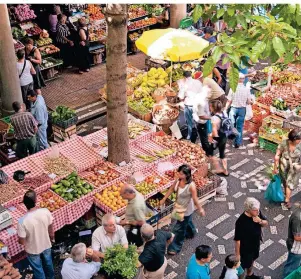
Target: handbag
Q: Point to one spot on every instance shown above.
(178, 212)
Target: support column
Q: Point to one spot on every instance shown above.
(9, 79)
(177, 13)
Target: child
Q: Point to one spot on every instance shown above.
(230, 268)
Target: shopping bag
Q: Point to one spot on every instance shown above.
(274, 191)
(295, 274)
(249, 112)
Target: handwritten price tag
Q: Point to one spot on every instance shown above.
(104, 152)
(69, 190)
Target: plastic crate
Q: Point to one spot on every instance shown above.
(66, 123)
(214, 183)
(267, 145)
(155, 218)
(169, 205)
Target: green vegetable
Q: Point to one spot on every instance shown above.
(121, 261)
(65, 183)
(62, 113)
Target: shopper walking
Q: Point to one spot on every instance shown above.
(53, 21)
(231, 268)
(36, 232)
(33, 54)
(188, 88)
(25, 128)
(25, 71)
(82, 47)
(198, 266)
(64, 41)
(238, 102)
(288, 163)
(218, 139)
(293, 243)
(153, 256)
(184, 207)
(77, 266)
(248, 235)
(134, 214)
(40, 113)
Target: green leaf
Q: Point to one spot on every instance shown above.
(234, 57)
(197, 13)
(220, 13)
(230, 11)
(208, 67)
(225, 60)
(242, 21)
(217, 53)
(291, 9)
(232, 22)
(207, 49)
(228, 49)
(258, 48)
(289, 57)
(233, 77)
(298, 20)
(259, 19)
(278, 46)
(274, 56)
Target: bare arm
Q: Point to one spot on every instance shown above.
(237, 248)
(51, 232)
(214, 129)
(97, 254)
(32, 70)
(195, 199)
(276, 160)
(171, 239)
(168, 193)
(218, 75)
(37, 57)
(21, 240)
(228, 105)
(82, 35)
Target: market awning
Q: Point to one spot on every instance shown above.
(171, 44)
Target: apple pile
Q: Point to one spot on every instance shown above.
(33, 31)
(150, 184)
(102, 174)
(171, 174)
(142, 23)
(51, 201)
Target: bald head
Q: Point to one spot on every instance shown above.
(128, 192)
(147, 232)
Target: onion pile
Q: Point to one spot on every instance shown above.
(36, 181)
(60, 166)
(10, 191)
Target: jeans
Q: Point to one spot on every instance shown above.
(293, 262)
(237, 116)
(42, 138)
(181, 230)
(203, 134)
(37, 262)
(189, 120)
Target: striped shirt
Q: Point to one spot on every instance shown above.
(24, 125)
(241, 96)
(62, 31)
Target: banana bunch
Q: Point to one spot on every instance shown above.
(274, 68)
(135, 129)
(146, 158)
(175, 72)
(136, 82)
(163, 153)
(142, 91)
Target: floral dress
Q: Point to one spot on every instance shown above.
(287, 170)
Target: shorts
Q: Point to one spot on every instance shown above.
(247, 258)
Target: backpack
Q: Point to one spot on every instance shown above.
(226, 126)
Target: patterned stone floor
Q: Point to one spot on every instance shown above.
(217, 228)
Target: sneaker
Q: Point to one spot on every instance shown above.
(253, 276)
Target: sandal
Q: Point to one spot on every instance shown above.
(172, 253)
(287, 204)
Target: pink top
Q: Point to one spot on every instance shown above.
(52, 22)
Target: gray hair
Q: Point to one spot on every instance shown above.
(251, 204)
(78, 252)
(107, 217)
(147, 232)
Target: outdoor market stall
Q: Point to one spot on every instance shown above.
(73, 175)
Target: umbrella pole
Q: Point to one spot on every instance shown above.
(171, 75)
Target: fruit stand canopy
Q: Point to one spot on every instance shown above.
(171, 44)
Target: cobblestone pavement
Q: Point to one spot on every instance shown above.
(217, 228)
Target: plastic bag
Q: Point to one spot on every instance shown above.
(222, 190)
(274, 191)
(3, 177)
(249, 112)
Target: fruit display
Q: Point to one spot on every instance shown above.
(200, 181)
(43, 42)
(33, 31)
(23, 12)
(147, 158)
(72, 187)
(141, 23)
(47, 50)
(172, 197)
(265, 100)
(191, 153)
(164, 114)
(286, 77)
(94, 12)
(18, 33)
(111, 197)
(96, 35)
(136, 129)
(102, 174)
(35, 181)
(60, 166)
(274, 69)
(7, 271)
(298, 110)
(139, 107)
(51, 201)
(279, 104)
(150, 184)
(258, 77)
(171, 174)
(134, 36)
(18, 45)
(103, 143)
(10, 191)
(135, 12)
(175, 71)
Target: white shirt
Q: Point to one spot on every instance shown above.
(231, 274)
(101, 240)
(26, 77)
(188, 89)
(201, 106)
(241, 96)
(73, 270)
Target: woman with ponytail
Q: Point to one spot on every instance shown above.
(230, 268)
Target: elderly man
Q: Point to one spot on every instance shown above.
(134, 214)
(153, 256)
(248, 234)
(293, 243)
(77, 267)
(108, 235)
(35, 232)
(39, 111)
(238, 102)
(25, 127)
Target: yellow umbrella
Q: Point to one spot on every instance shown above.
(175, 45)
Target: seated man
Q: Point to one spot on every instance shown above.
(77, 267)
(108, 235)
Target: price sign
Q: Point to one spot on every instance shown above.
(157, 180)
(122, 164)
(104, 152)
(70, 190)
(101, 172)
(52, 175)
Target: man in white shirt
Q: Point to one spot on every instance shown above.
(188, 88)
(238, 102)
(35, 232)
(77, 267)
(108, 235)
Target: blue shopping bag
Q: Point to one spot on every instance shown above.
(274, 191)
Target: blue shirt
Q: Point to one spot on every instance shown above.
(211, 40)
(39, 111)
(197, 271)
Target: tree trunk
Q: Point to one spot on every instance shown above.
(116, 63)
(10, 89)
(177, 13)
